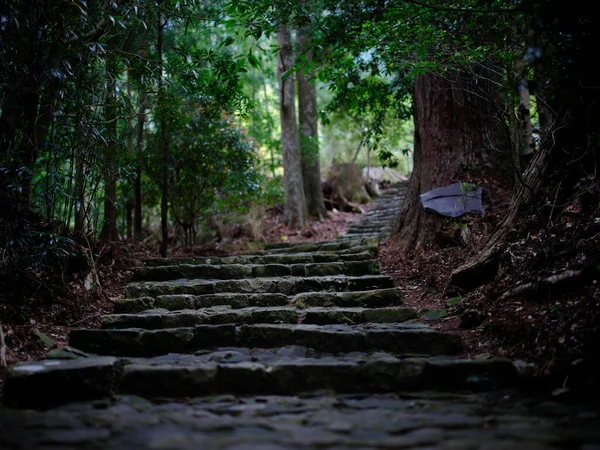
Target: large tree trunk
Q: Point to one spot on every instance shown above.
(569, 151)
(456, 132)
(309, 133)
(295, 214)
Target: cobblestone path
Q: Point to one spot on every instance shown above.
(299, 346)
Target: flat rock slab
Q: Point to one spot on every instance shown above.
(330, 246)
(240, 271)
(500, 420)
(358, 253)
(287, 286)
(209, 316)
(233, 371)
(187, 301)
(157, 319)
(324, 316)
(50, 382)
(366, 299)
(394, 338)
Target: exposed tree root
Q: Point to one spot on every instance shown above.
(543, 286)
(484, 265)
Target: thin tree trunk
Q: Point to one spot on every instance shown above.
(164, 203)
(309, 133)
(109, 227)
(295, 214)
(137, 221)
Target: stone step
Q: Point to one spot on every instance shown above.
(287, 286)
(236, 371)
(240, 271)
(410, 338)
(177, 302)
(367, 299)
(256, 315)
(326, 246)
(359, 253)
(364, 235)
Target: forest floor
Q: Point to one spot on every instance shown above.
(556, 329)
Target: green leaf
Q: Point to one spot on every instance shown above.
(227, 42)
(253, 61)
(433, 314)
(454, 301)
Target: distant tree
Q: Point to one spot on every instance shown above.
(308, 126)
(295, 213)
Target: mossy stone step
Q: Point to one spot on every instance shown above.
(365, 235)
(328, 246)
(254, 315)
(208, 316)
(287, 286)
(366, 299)
(328, 316)
(359, 253)
(395, 338)
(187, 376)
(240, 271)
(186, 301)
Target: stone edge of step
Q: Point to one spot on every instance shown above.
(92, 378)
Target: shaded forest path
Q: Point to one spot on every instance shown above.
(301, 345)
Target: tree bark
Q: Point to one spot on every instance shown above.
(295, 213)
(137, 201)
(309, 133)
(485, 265)
(109, 227)
(164, 203)
(456, 133)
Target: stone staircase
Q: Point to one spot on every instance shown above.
(293, 318)
(303, 345)
(378, 221)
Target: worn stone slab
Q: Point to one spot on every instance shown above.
(411, 420)
(51, 382)
(354, 253)
(393, 338)
(207, 316)
(397, 338)
(469, 374)
(335, 246)
(210, 374)
(287, 286)
(240, 271)
(324, 316)
(169, 380)
(140, 342)
(367, 298)
(187, 301)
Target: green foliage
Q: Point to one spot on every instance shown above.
(454, 301)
